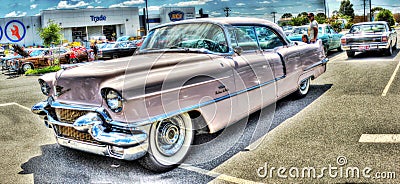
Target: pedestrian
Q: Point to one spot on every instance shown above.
(304, 38)
(313, 28)
(95, 49)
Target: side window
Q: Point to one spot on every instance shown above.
(245, 38)
(327, 30)
(332, 30)
(267, 38)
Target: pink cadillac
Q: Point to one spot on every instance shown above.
(188, 77)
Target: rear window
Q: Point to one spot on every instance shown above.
(368, 28)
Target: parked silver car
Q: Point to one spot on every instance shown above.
(370, 36)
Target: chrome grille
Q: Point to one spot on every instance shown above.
(72, 133)
(69, 115)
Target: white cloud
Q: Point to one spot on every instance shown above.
(15, 14)
(65, 5)
(216, 13)
(240, 4)
(90, 7)
(32, 1)
(154, 8)
(224, 0)
(127, 3)
(258, 9)
(192, 3)
(265, 2)
(33, 6)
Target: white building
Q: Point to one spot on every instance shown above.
(82, 24)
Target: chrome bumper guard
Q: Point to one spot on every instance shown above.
(118, 142)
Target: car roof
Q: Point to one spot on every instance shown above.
(375, 22)
(227, 21)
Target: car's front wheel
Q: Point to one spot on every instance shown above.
(389, 51)
(169, 143)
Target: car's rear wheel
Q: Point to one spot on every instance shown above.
(115, 56)
(350, 53)
(26, 67)
(303, 88)
(389, 51)
(326, 50)
(169, 143)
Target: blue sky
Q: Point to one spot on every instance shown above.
(252, 8)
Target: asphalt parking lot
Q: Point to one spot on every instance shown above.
(344, 104)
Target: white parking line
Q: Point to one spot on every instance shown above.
(217, 176)
(391, 80)
(13, 103)
(379, 138)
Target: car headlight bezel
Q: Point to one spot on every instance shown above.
(44, 87)
(113, 100)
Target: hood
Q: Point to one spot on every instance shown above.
(136, 74)
(20, 50)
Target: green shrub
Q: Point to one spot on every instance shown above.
(43, 70)
(348, 25)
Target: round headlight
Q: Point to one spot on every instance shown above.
(44, 87)
(114, 100)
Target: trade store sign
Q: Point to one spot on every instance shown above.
(98, 18)
(15, 31)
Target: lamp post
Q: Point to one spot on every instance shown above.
(273, 13)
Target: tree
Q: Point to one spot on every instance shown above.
(287, 15)
(396, 17)
(373, 10)
(321, 18)
(302, 14)
(50, 34)
(346, 8)
(299, 21)
(385, 15)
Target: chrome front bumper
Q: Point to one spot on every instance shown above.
(113, 141)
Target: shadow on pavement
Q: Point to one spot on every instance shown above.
(57, 164)
(372, 54)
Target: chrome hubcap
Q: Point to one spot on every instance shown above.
(170, 135)
(27, 67)
(303, 85)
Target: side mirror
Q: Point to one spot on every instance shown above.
(238, 50)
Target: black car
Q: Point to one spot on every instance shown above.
(117, 49)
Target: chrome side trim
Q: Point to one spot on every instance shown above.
(322, 62)
(190, 108)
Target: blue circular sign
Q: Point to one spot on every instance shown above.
(15, 30)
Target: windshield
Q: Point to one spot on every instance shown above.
(368, 28)
(303, 30)
(205, 36)
(36, 53)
